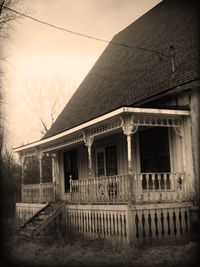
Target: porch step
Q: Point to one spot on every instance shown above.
(41, 220)
(25, 233)
(42, 217)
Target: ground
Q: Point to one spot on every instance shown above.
(58, 251)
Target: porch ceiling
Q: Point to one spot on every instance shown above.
(108, 122)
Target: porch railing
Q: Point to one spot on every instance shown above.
(100, 189)
(33, 193)
(160, 186)
(124, 188)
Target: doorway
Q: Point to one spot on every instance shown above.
(154, 150)
(70, 168)
(155, 157)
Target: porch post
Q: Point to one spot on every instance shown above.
(40, 172)
(130, 128)
(179, 131)
(54, 157)
(88, 140)
(22, 160)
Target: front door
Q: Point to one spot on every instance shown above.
(70, 167)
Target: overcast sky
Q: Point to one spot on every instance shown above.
(42, 59)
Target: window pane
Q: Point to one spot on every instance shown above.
(111, 160)
(100, 164)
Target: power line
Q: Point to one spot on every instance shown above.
(85, 35)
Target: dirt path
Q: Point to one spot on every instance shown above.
(48, 252)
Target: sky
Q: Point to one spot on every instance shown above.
(45, 66)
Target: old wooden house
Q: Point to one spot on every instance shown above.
(122, 159)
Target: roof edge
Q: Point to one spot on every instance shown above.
(102, 118)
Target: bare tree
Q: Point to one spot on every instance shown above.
(7, 19)
(45, 99)
(10, 171)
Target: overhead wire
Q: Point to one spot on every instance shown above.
(85, 35)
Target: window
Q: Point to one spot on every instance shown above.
(101, 162)
(106, 161)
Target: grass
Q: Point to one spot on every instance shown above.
(63, 250)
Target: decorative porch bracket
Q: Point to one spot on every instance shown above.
(88, 140)
(130, 128)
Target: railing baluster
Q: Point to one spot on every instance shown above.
(147, 181)
(159, 182)
(165, 181)
(153, 184)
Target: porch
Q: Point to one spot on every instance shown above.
(132, 155)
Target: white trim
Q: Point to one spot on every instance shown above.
(157, 111)
(102, 118)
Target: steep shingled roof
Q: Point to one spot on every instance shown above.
(125, 76)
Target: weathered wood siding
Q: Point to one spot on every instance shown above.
(190, 152)
(195, 134)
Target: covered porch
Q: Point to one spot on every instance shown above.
(143, 178)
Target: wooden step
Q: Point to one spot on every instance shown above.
(31, 227)
(25, 233)
(41, 220)
(41, 217)
(36, 222)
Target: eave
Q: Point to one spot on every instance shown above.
(99, 120)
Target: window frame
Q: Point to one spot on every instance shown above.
(103, 150)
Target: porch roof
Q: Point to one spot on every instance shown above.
(109, 117)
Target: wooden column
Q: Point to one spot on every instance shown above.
(40, 155)
(129, 152)
(54, 158)
(179, 131)
(129, 128)
(88, 140)
(22, 160)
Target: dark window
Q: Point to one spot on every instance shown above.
(154, 150)
(46, 169)
(100, 163)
